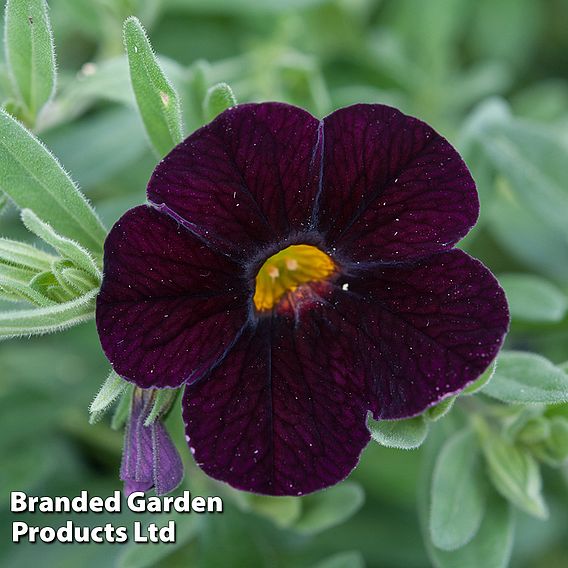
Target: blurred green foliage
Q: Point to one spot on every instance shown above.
(489, 74)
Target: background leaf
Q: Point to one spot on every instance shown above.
(514, 473)
(30, 53)
(492, 546)
(526, 378)
(156, 97)
(328, 508)
(532, 298)
(458, 493)
(34, 179)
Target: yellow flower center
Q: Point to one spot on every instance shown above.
(286, 271)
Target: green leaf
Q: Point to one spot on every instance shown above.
(541, 246)
(4, 201)
(401, 434)
(554, 450)
(24, 255)
(490, 548)
(536, 165)
(558, 440)
(458, 497)
(122, 411)
(219, 97)
(66, 247)
(533, 298)
(46, 284)
(282, 511)
(535, 430)
(21, 323)
(514, 473)
(72, 279)
(328, 508)
(110, 390)
(351, 559)
(157, 99)
(30, 53)
(527, 378)
(434, 413)
(16, 274)
(24, 292)
(33, 178)
(163, 403)
(480, 383)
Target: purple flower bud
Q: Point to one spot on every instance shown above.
(149, 457)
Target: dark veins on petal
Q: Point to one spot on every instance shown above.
(284, 414)
(393, 189)
(247, 179)
(423, 330)
(169, 306)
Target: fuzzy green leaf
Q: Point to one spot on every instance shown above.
(47, 285)
(24, 255)
(458, 497)
(34, 179)
(527, 378)
(156, 97)
(481, 382)
(21, 323)
(434, 413)
(23, 292)
(122, 411)
(401, 434)
(17, 274)
(163, 403)
(110, 390)
(30, 53)
(66, 247)
(73, 279)
(219, 97)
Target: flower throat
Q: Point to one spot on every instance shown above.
(285, 273)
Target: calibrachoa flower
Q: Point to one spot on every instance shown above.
(149, 457)
(295, 274)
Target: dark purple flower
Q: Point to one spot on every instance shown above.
(295, 274)
(149, 457)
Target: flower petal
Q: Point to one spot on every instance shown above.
(284, 414)
(393, 189)
(424, 331)
(169, 306)
(247, 178)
